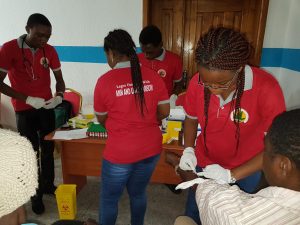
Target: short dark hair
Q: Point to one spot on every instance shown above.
(38, 19)
(284, 135)
(150, 35)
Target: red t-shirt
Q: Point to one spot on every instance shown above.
(28, 76)
(168, 66)
(131, 137)
(262, 100)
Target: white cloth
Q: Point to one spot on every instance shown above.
(228, 205)
(18, 171)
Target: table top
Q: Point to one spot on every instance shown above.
(91, 140)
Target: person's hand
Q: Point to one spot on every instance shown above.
(53, 102)
(218, 173)
(188, 160)
(35, 102)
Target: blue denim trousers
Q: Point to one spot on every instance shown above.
(248, 184)
(114, 179)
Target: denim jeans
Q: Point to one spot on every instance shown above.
(114, 179)
(248, 184)
(35, 124)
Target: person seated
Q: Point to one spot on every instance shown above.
(19, 176)
(220, 203)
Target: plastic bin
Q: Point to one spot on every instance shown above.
(66, 201)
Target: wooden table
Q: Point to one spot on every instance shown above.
(83, 157)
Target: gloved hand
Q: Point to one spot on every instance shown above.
(218, 173)
(187, 184)
(173, 99)
(53, 102)
(188, 160)
(35, 102)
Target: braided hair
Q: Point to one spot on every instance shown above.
(224, 49)
(284, 135)
(120, 42)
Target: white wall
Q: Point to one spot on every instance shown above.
(74, 23)
(283, 31)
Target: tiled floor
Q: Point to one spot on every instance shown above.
(163, 206)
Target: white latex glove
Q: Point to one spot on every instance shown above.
(218, 173)
(35, 102)
(187, 184)
(53, 102)
(188, 160)
(173, 99)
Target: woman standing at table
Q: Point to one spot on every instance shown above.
(129, 100)
(235, 104)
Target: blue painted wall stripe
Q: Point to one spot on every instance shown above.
(281, 57)
(271, 57)
(83, 54)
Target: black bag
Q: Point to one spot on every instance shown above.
(63, 113)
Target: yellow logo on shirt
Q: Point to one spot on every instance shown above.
(162, 72)
(241, 117)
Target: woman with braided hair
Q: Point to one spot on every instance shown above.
(129, 100)
(234, 104)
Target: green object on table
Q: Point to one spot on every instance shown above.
(96, 127)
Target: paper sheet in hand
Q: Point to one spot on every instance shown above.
(70, 134)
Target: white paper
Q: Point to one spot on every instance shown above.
(70, 134)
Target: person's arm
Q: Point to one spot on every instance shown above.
(272, 102)
(163, 111)
(60, 83)
(177, 89)
(60, 89)
(177, 78)
(7, 90)
(190, 132)
(248, 168)
(102, 119)
(15, 218)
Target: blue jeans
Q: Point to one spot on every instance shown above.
(115, 177)
(248, 184)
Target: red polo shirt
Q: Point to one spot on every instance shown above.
(25, 70)
(262, 100)
(168, 66)
(131, 137)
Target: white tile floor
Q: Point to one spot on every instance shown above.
(163, 206)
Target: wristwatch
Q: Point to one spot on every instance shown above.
(232, 180)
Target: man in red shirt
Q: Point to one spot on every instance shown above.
(167, 64)
(27, 60)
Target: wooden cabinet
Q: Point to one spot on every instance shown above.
(182, 22)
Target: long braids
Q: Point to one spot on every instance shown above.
(121, 42)
(224, 49)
